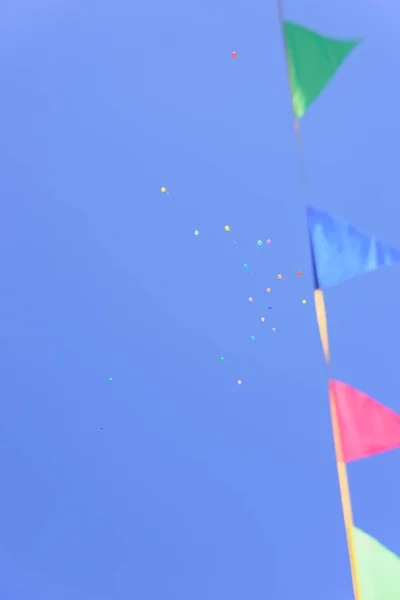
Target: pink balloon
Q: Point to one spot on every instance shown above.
(273, 329)
(268, 242)
(250, 299)
(262, 319)
(239, 382)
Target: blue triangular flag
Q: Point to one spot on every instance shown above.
(340, 252)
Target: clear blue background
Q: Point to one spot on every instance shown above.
(196, 488)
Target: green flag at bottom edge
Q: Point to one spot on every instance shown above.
(378, 568)
(312, 60)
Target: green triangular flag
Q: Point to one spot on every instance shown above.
(313, 60)
(378, 568)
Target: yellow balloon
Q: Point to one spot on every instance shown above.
(304, 301)
(163, 189)
(227, 228)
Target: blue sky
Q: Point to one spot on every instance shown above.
(195, 488)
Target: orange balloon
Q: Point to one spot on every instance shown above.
(234, 55)
(299, 273)
(279, 276)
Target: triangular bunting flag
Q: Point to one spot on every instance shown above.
(312, 60)
(378, 569)
(340, 252)
(366, 426)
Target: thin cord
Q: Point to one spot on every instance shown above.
(296, 124)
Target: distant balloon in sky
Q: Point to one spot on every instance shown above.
(222, 359)
(268, 290)
(234, 54)
(268, 242)
(245, 266)
(262, 319)
(227, 228)
(253, 337)
(299, 273)
(273, 329)
(259, 243)
(163, 189)
(101, 427)
(110, 379)
(304, 301)
(239, 382)
(250, 299)
(196, 232)
(279, 276)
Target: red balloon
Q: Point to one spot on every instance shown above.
(234, 55)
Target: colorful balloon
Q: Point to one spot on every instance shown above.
(250, 299)
(279, 276)
(253, 337)
(239, 382)
(268, 290)
(227, 228)
(299, 273)
(268, 242)
(245, 266)
(304, 301)
(234, 54)
(273, 329)
(259, 243)
(262, 319)
(196, 232)
(163, 189)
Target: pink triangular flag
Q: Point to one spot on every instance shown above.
(366, 426)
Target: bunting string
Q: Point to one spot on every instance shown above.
(361, 426)
(323, 330)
